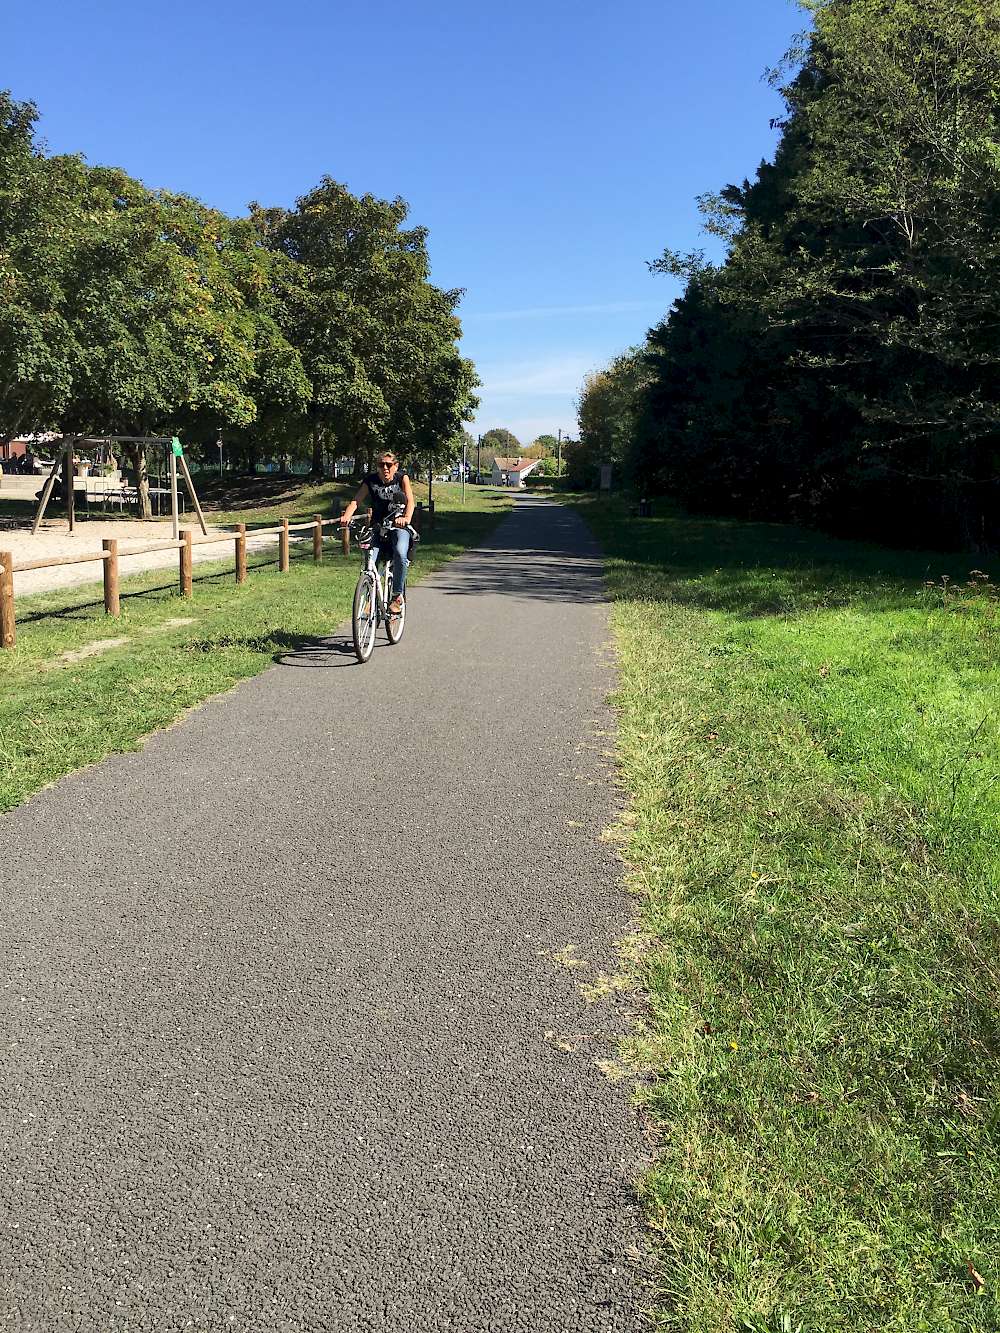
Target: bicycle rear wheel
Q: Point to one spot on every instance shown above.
(394, 624)
(364, 619)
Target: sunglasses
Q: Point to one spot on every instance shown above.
(388, 465)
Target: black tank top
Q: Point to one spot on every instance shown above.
(385, 494)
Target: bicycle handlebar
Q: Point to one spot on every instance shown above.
(384, 528)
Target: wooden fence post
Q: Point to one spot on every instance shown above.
(345, 532)
(318, 540)
(7, 633)
(283, 547)
(187, 536)
(241, 553)
(112, 601)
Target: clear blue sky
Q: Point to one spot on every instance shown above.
(551, 148)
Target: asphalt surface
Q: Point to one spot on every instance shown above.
(291, 1039)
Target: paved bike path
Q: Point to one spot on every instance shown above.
(292, 1039)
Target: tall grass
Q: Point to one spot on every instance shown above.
(810, 737)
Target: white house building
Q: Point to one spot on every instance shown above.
(512, 471)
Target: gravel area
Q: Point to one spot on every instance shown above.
(293, 1023)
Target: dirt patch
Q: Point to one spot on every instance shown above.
(89, 650)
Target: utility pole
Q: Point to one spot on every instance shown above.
(465, 450)
(479, 456)
(558, 453)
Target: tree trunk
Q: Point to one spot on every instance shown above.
(317, 451)
(248, 455)
(137, 454)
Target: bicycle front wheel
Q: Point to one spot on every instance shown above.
(393, 623)
(364, 620)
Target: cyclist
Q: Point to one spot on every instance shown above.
(387, 488)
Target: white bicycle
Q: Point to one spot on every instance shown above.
(373, 594)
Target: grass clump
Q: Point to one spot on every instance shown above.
(810, 737)
(70, 694)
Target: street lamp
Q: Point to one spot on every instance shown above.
(218, 445)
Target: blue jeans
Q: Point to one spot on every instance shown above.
(398, 546)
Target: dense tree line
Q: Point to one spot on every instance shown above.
(312, 331)
(840, 367)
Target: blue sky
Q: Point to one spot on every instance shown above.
(551, 148)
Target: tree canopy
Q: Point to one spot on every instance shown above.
(138, 311)
(840, 365)
(498, 442)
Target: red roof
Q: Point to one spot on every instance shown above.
(515, 464)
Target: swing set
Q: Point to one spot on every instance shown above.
(169, 455)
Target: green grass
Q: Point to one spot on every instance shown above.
(810, 738)
(57, 715)
(266, 499)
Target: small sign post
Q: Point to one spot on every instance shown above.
(175, 453)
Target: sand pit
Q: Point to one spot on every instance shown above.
(53, 539)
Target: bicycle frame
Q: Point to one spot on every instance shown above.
(381, 577)
(373, 595)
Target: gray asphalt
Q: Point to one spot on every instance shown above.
(290, 1037)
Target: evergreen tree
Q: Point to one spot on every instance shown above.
(844, 354)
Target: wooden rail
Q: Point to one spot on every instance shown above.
(112, 554)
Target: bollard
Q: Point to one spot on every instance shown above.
(112, 601)
(283, 547)
(7, 630)
(318, 540)
(187, 549)
(241, 553)
(345, 534)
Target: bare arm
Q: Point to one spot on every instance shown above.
(352, 507)
(406, 517)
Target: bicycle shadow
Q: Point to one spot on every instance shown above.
(286, 649)
(317, 654)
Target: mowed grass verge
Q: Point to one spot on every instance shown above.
(810, 738)
(60, 710)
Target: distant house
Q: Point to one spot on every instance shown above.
(512, 471)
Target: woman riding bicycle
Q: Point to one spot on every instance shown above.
(387, 488)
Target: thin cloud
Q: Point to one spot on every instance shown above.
(549, 311)
(560, 376)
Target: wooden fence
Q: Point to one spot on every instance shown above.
(110, 556)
